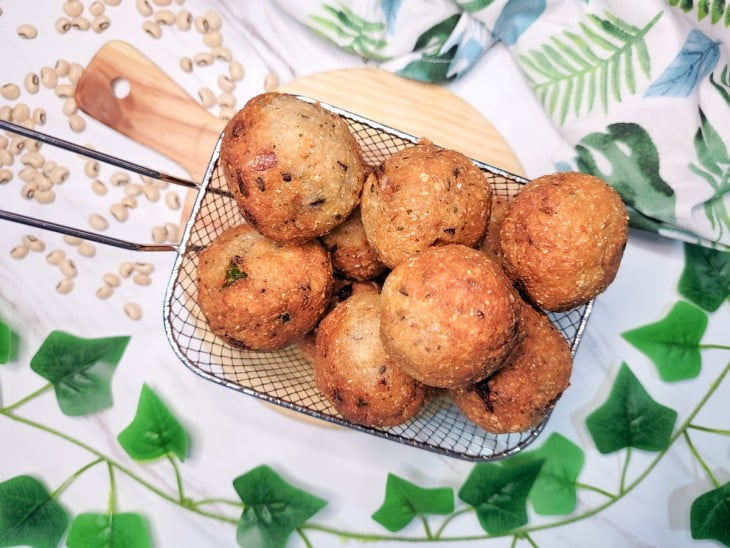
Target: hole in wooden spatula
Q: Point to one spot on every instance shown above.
(120, 87)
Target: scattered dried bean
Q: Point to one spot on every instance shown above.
(65, 286)
(27, 32)
(98, 222)
(33, 243)
(20, 251)
(133, 310)
(31, 82)
(10, 92)
(55, 257)
(104, 292)
(87, 249)
(111, 279)
(152, 28)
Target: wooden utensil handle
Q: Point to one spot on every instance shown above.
(156, 111)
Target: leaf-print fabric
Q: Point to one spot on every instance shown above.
(639, 91)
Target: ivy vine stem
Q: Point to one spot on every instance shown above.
(73, 477)
(178, 480)
(27, 398)
(718, 431)
(129, 473)
(699, 459)
(713, 347)
(595, 489)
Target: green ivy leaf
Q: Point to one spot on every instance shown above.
(109, 531)
(29, 515)
(273, 508)
(705, 280)
(710, 515)
(630, 418)
(155, 431)
(80, 370)
(5, 339)
(673, 342)
(405, 500)
(554, 491)
(499, 493)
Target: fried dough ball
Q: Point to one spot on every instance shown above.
(563, 238)
(448, 316)
(523, 391)
(421, 196)
(353, 372)
(293, 167)
(261, 295)
(352, 254)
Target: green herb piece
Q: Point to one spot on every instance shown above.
(499, 493)
(154, 432)
(80, 370)
(705, 280)
(234, 273)
(29, 515)
(405, 501)
(630, 418)
(673, 342)
(109, 531)
(710, 515)
(5, 340)
(273, 508)
(554, 491)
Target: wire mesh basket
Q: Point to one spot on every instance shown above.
(285, 377)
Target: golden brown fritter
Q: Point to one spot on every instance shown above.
(449, 316)
(491, 243)
(421, 196)
(524, 390)
(261, 295)
(294, 168)
(352, 254)
(353, 372)
(562, 239)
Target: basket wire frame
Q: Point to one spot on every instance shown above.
(285, 377)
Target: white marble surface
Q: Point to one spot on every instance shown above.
(232, 433)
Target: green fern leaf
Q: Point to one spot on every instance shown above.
(573, 71)
(717, 10)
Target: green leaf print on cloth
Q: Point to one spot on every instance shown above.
(634, 172)
(570, 71)
(718, 10)
(351, 32)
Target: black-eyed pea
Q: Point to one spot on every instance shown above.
(173, 232)
(92, 168)
(62, 25)
(28, 174)
(44, 182)
(98, 222)
(271, 82)
(164, 17)
(21, 112)
(112, 2)
(65, 286)
(17, 145)
(119, 212)
(87, 249)
(98, 187)
(48, 167)
(203, 59)
(39, 116)
(186, 64)
(27, 31)
(68, 268)
(236, 71)
(32, 83)
(76, 123)
(144, 268)
(49, 78)
(144, 8)
(111, 279)
(200, 24)
(133, 189)
(141, 279)
(104, 292)
(44, 196)
(225, 83)
(33, 159)
(5, 112)
(222, 53)
(100, 23)
(55, 257)
(213, 20)
(80, 23)
(20, 251)
(59, 175)
(72, 240)
(33, 243)
(97, 8)
(6, 157)
(133, 310)
(213, 39)
(130, 202)
(159, 234)
(184, 20)
(172, 200)
(226, 113)
(31, 145)
(119, 178)
(61, 69)
(227, 99)
(6, 175)
(207, 97)
(152, 193)
(70, 107)
(29, 189)
(75, 70)
(10, 92)
(126, 269)
(73, 8)
(64, 90)
(152, 28)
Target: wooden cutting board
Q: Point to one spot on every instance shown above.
(159, 114)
